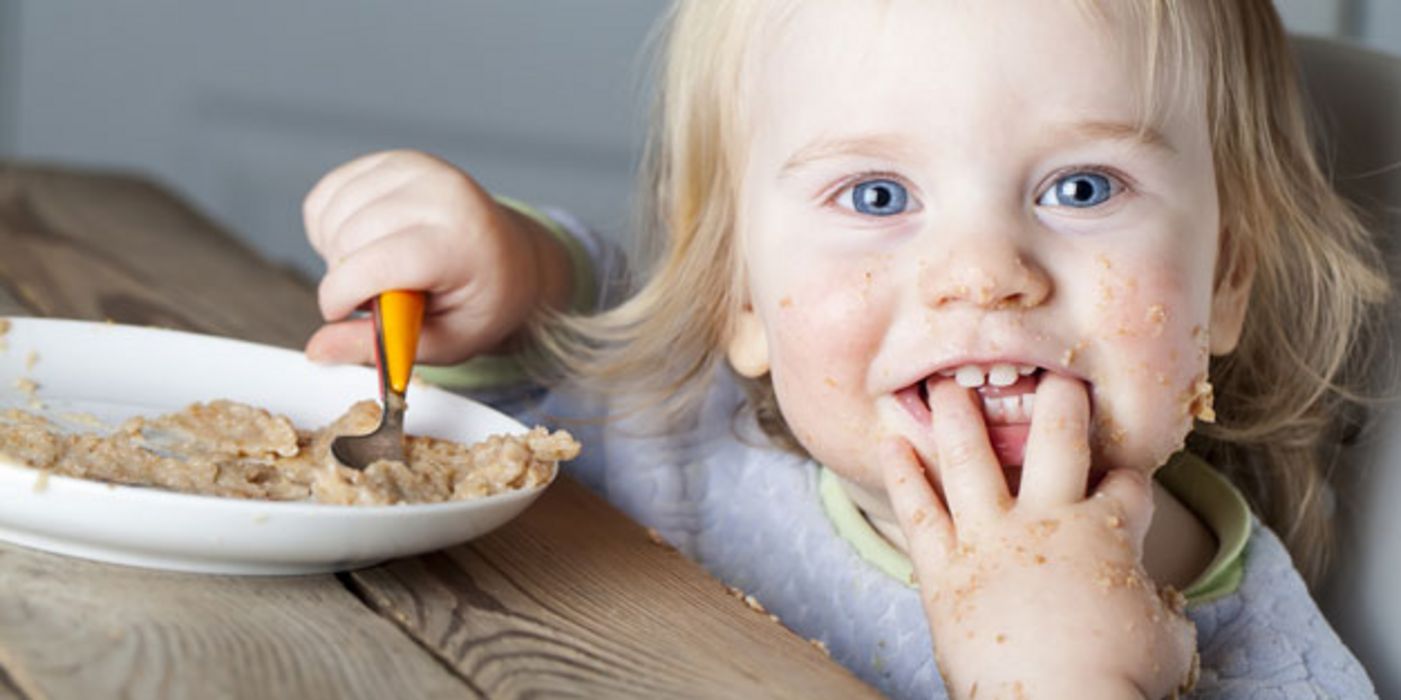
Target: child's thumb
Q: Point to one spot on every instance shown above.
(343, 342)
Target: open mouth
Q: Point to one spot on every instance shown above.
(1008, 395)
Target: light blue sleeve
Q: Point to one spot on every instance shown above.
(1269, 639)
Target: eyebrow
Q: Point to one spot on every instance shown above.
(1144, 135)
(891, 147)
(881, 146)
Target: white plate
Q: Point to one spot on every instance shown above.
(114, 372)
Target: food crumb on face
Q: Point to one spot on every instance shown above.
(1201, 403)
(1173, 600)
(1072, 352)
(1157, 318)
(1042, 529)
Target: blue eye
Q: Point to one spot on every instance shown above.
(879, 197)
(1080, 190)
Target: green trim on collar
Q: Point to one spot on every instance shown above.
(854, 528)
(585, 293)
(1202, 489)
(1217, 502)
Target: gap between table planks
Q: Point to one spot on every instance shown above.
(543, 605)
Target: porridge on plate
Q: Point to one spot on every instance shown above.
(224, 448)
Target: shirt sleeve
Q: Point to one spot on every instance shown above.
(1269, 639)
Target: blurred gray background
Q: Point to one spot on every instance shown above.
(241, 106)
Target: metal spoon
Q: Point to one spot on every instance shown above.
(398, 319)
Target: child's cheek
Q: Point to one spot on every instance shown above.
(1150, 377)
(824, 329)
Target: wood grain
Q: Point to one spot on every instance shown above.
(549, 606)
(74, 629)
(572, 598)
(117, 247)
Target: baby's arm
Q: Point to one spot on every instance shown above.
(1044, 595)
(407, 220)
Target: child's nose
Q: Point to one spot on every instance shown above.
(991, 274)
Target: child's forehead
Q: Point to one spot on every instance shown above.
(802, 21)
(1061, 59)
(936, 37)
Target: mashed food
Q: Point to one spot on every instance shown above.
(230, 449)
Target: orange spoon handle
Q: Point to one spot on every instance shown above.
(401, 319)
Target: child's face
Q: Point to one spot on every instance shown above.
(939, 184)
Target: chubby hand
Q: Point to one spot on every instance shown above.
(407, 220)
(1042, 595)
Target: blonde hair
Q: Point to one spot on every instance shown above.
(1278, 395)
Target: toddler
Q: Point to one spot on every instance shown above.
(976, 270)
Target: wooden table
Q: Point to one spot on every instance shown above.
(572, 598)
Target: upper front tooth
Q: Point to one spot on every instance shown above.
(1002, 375)
(970, 376)
(1025, 369)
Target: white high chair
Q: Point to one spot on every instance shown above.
(1356, 97)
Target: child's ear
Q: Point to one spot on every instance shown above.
(749, 347)
(1232, 294)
